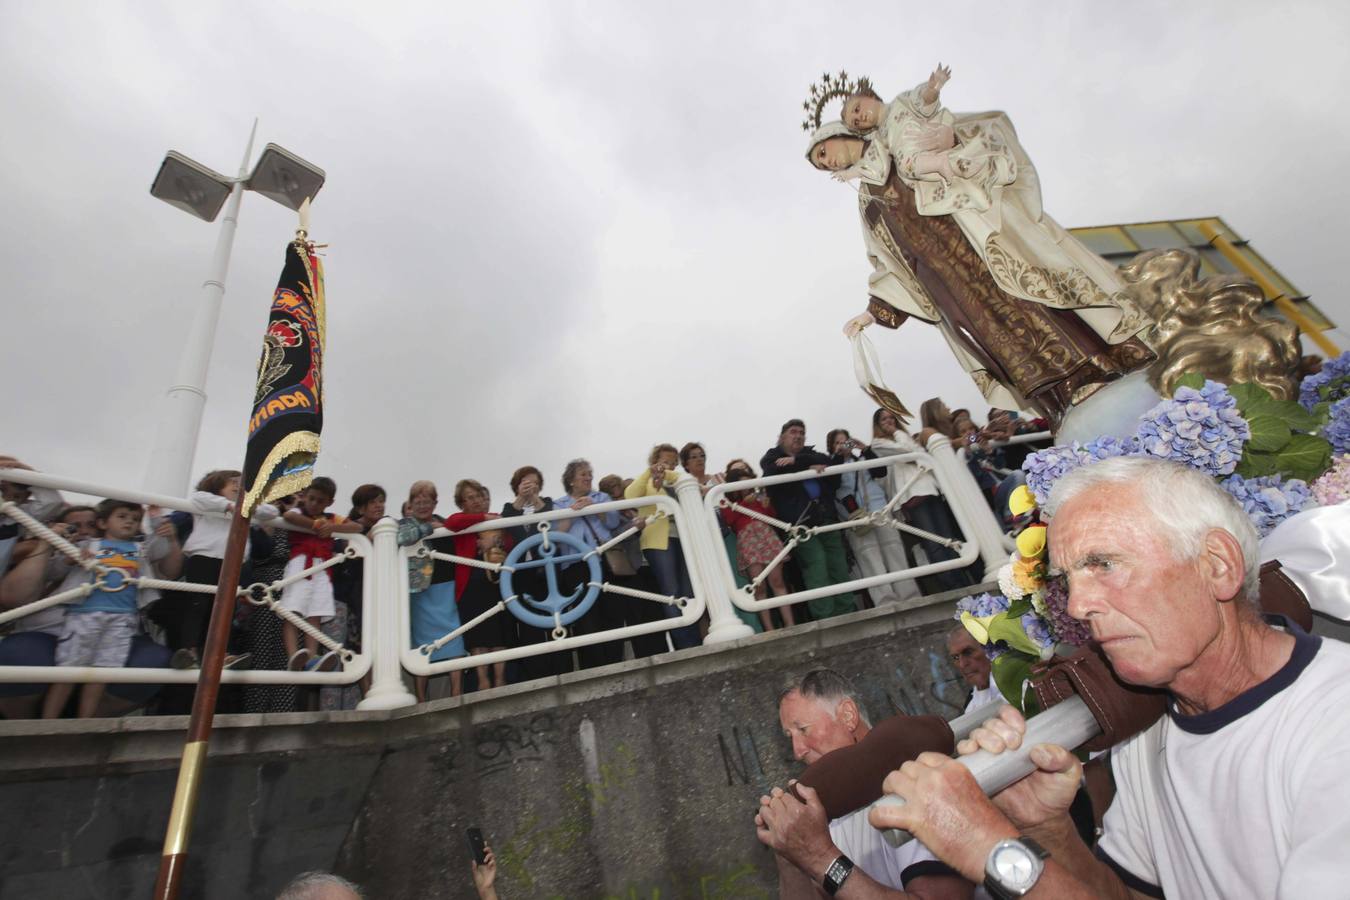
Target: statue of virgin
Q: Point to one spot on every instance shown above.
(953, 227)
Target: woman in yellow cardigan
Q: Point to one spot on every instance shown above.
(661, 540)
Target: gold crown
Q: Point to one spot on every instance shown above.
(830, 88)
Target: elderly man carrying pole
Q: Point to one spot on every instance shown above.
(1238, 791)
(820, 713)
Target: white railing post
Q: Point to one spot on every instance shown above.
(697, 540)
(966, 493)
(381, 607)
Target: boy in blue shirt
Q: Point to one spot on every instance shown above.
(98, 630)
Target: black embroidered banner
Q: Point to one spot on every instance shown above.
(283, 431)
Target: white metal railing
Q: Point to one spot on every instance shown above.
(354, 666)
(949, 474)
(417, 659)
(388, 654)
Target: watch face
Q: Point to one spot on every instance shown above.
(1015, 866)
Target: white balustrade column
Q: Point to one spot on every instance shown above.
(700, 543)
(385, 610)
(965, 492)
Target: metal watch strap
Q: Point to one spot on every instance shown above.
(837, 874)
(997, 890)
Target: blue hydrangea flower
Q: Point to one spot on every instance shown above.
(1268, 500)
(1038, 630)
(981, 605)
(1337, 431)
(1201, 428)
(1108, 446)
(1044, 467)
(1333, 370)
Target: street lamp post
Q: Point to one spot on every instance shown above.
(192, 187)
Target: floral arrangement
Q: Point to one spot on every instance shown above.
(1029, 620)
(1263, 451)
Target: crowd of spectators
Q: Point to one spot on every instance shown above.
(124, 626)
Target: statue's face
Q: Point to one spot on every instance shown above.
(862, 113)
(836, 153)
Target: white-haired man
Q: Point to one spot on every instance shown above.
(319, 886)
(1239, 791)
(820, 713)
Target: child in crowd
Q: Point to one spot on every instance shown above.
(98, 630)
(481, 593)
(186, 615)
(312, 597)
(756, 544)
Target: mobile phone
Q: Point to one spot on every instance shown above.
(476, 846)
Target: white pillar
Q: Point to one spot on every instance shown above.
(169, 465)
(384, 608)
(965, 492)
(699, 544)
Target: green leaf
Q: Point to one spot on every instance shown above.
(1254, 464)
(1011, 671)
(1305, 456)
(1248, 395)
(1191, 380)
(1019, 608)
(1009, 630)
(1287, 411)
(1269, 434)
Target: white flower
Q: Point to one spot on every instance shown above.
(1007, 585)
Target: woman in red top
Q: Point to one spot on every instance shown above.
(473, 501)
(756, 543)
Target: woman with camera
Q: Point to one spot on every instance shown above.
(877, 547)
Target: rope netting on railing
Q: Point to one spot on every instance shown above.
(884, 517)
(110, 580)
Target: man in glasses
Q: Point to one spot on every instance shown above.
(968, 658)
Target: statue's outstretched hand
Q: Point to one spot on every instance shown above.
(858, 323)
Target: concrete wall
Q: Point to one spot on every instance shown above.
(635, 781)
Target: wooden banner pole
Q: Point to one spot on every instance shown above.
(203, 712)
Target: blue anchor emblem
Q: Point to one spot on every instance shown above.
(567, 608)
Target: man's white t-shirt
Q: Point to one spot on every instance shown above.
(984, 696)
(892, 866)
(1251, 799)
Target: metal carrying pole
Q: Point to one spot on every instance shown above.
(1069, 723)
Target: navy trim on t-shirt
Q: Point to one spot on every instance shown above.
(1305, 648)
(1132, 881)
(926, 867)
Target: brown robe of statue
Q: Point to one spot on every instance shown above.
(1049, 356)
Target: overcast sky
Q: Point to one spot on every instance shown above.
(564, 229)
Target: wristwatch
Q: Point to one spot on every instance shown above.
(837, 874)
(1013, 867)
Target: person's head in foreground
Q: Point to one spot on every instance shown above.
(1162, 566)
(320, 886)
(819, 713)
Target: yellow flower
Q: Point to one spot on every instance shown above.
(1026, 574)
(977, 626)
(1021, 501)
(1031, 542)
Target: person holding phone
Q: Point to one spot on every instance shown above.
(483, 866)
